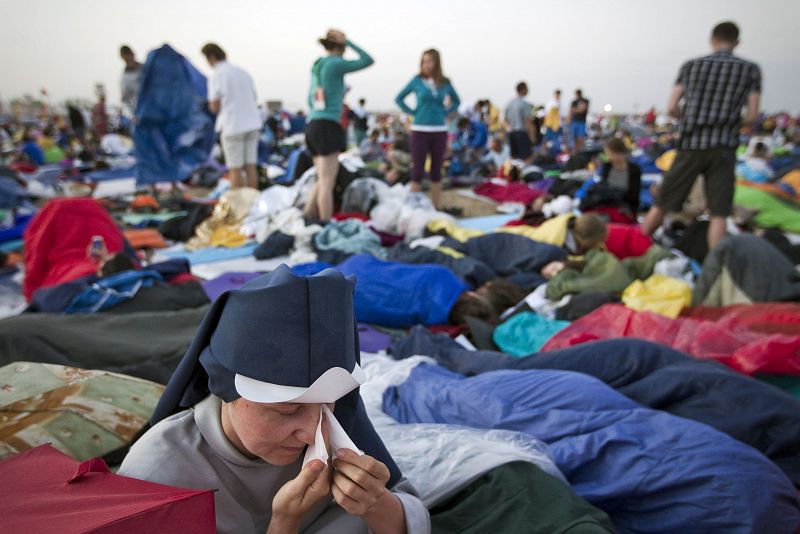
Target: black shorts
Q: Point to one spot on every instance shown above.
(520, 144)
(717, 165)
(324, 137)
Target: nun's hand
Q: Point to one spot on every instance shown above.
(359, 482)
(298, 496)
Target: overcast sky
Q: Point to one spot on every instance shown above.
(621, 52)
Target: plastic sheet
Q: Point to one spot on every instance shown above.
(439, 460)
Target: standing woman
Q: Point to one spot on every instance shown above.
(325, 137)
(429, 130)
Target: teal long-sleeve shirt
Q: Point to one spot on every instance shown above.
(328, 72)
(430, 110)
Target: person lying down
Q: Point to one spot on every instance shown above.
(265, 409)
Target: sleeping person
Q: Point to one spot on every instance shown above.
(399, 295)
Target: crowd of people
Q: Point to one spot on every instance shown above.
(264, 404)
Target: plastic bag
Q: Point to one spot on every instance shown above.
(659, 294)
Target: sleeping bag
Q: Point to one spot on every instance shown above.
(397, 295)
(726, 340)
(746, 268)
(653, 375)
(651, 471)
(57, 239)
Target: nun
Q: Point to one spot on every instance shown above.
(264, 408)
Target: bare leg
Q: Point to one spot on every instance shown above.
(310, 210)
(416, 187)
(652, 221)
(716, 231)
(252, 175)
(235, 177)
(436, 194)
(327, 168)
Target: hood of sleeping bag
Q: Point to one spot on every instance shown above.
(174, 132)
(280, 338)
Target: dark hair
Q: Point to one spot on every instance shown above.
(438, 75)
(727, 32)
(362, 101)
(616, 145)
(470, 304)
(125, 50)
(522, 86)
(760, 148)
(213, 50)
(118, 263)
(330, 45)
(578, 92)
(503, 294)
(558, 91)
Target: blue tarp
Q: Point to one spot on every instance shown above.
(651, 471)
(174, 133)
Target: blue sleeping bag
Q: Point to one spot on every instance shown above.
(397, 295)
(174, 133)
(651, 471)
(656, 376)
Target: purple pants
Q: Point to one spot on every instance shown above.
(422, 144)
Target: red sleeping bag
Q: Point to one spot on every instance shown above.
(511, 192)
(57, 238)
(626, 241)
(45, 490)
(727, 340)
(767, 317)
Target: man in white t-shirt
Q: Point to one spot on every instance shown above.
(232, 96)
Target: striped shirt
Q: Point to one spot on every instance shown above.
(715, 89)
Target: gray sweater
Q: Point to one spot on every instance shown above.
(190, 450)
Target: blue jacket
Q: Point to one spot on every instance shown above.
(430, 110)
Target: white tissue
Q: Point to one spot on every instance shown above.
(336, 435)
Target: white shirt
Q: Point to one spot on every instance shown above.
(234, 89)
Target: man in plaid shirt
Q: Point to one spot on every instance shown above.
(708, 98)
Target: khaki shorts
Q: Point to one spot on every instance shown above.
(240, 149)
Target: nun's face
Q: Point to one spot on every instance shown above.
(275, 432)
